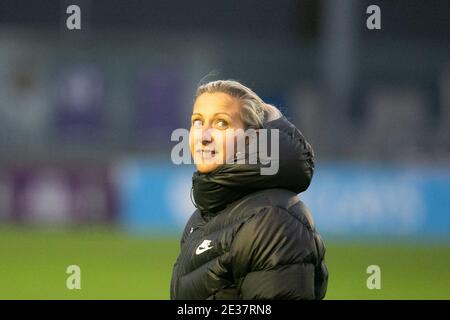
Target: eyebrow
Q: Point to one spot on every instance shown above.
(215, 114)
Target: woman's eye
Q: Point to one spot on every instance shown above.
(222, 124)
(197, 123)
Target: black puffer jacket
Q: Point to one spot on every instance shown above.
(251, 236)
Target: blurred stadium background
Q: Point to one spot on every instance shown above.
(86, 117)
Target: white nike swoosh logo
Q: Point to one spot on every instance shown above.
(205, 245)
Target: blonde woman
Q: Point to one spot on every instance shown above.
(251, 237)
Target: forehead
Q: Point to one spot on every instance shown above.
(208, 104)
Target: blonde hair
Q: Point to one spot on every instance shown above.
(254, 111)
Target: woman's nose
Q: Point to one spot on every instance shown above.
(206, 137)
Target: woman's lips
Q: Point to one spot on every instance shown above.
(207, 154)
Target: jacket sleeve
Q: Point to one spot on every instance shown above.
(274, 257)
(193, 220)
(296, 155)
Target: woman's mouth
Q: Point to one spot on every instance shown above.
(207, 154)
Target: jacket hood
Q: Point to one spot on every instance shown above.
(213, 191)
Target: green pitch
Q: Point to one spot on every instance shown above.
(116, 266)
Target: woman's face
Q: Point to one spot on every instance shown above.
(214, 117)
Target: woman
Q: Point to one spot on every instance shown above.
(250, 237)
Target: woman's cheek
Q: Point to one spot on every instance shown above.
(193, 141)
(228, 145)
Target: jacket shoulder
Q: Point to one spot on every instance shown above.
(276, 202)
(279, 232)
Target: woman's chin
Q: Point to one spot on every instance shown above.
(207, 167)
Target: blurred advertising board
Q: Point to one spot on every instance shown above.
(345, 198)
(49, 194)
